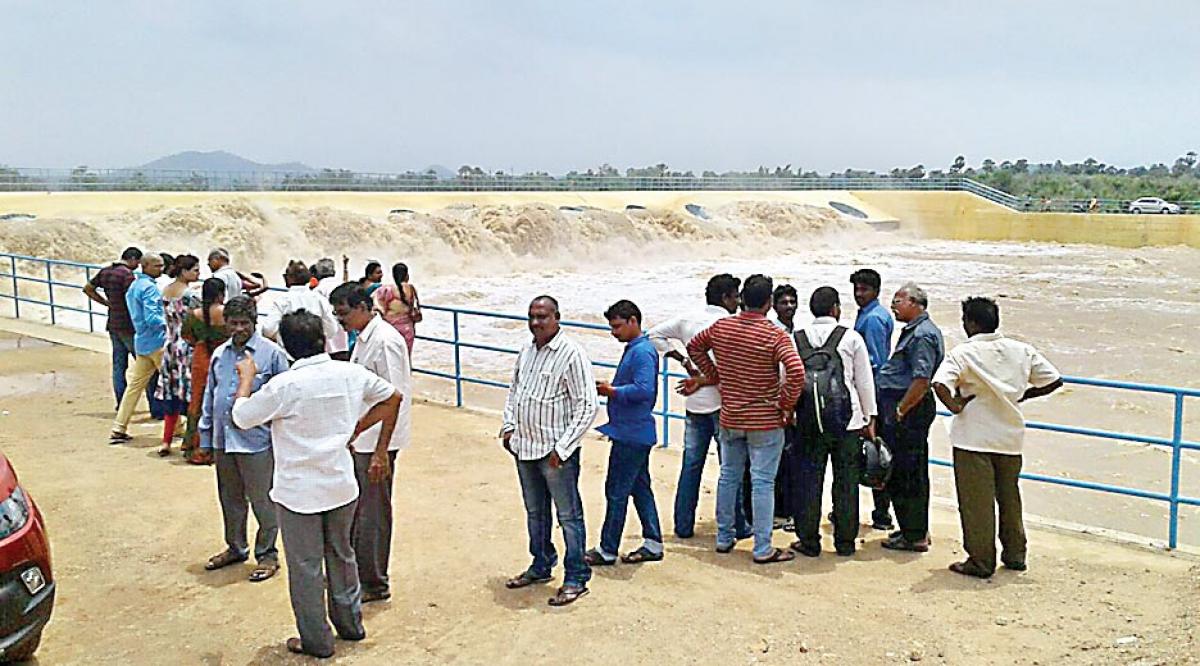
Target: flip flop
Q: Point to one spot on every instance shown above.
(119, 438)
(263, 571)
(595, 559)
(969, 568)
(524, 580)
(567, 595)
(641, 555)
(777, 555)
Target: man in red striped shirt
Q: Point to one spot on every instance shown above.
(757, 402)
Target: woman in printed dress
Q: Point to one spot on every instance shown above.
(399, 304)
(174, 377)
(204, 329)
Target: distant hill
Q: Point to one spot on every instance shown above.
(219, 160)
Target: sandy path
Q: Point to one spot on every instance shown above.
(130, 532)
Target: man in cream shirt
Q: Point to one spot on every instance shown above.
(980, 382)
(382, 350)
(298, 297)
(315, 409)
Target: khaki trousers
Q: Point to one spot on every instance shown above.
(985, 481)
(143, 370)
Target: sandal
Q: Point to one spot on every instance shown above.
(295, 646)
(969, 568)
(567, 594)
(524, 580)
(224, 559)
(641, 555)
(263, 571)
(119, 438)
(164, 451)
(777, 555)
(200, 457)
(595, 559)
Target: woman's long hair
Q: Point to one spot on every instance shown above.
(211, 293)
(400, 276)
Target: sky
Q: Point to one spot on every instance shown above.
(554, 86)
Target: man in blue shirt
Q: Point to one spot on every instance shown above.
(144, 302)
(907, 410)
(631, 398)
(243, 457)
(874, 324)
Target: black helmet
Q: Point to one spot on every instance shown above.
(875, 463)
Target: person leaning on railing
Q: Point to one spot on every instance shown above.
(981, 382)
(114, 281)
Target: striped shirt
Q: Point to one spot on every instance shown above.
(749, 351)
(552, 400)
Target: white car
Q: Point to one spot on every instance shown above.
(1153, 205)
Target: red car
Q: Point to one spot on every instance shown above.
(26, 583)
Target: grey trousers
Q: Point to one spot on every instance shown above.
(372, 533)
(310, 540)
(244, 481)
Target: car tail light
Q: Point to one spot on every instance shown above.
(14, 513)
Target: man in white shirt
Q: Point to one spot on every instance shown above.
(315, 410)
(382, 350)
(218, 263)
(338, 344)
(703, 408)
(836, 409)
(981, 382)
(298, 297)
(551, 404)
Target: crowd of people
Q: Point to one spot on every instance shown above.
(304, 410)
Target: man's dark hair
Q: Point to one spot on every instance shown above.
(549, 299)
(350, 294)
(241, 306)
(868, 277)
(720, 286)
(823, 301)
(323, 268)
(756, 292)
(784, 290)
(623, 309)
(131, 254)
(983, 312)
(301, 333)
(297, 273)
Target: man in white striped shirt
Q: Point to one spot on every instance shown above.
(551, 404)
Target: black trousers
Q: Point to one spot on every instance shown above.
(909, 441)
(812, 453)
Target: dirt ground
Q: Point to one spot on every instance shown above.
(131, 531)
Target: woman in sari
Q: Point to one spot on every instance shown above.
(399, 305)
(205, 330)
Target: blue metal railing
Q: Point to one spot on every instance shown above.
(1176, 442)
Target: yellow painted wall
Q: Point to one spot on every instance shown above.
(962, 216)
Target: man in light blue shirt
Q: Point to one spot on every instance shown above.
(243, 457)
(145, 305)
(874, 323)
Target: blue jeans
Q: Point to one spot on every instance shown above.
(541, 484)
(122, 349)
(762, 448)
(698, 432)
(629, 475)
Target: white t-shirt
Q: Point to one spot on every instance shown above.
(233, 282)
(313, 409)
(997, 371)
(382, 350)
(682, 329)
(340, 340)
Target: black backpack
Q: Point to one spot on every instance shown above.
(824, 406)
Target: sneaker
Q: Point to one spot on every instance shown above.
(900, 543)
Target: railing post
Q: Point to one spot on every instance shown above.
(16, 294)
(87, 278)
(666, 402)
(50, 291)
(458, 389)
(1176, 459)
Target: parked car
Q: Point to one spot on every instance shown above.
(1153, 205)
(26, 581)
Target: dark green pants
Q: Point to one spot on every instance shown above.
(985, 481)
(812, 453)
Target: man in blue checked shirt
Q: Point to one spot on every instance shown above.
(631, 398)
(243, 457)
